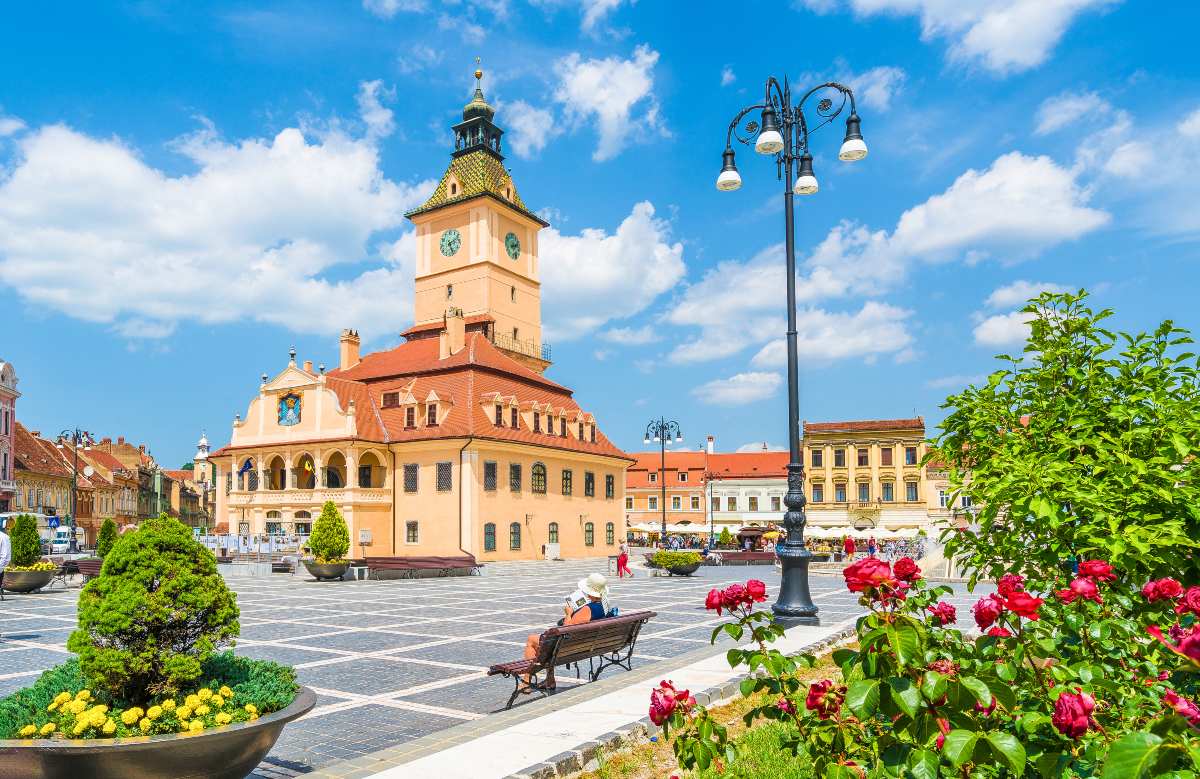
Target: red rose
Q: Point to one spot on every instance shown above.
(1000, 632)
(1098, 570)
(1188, 646)
(713, 601)
(944, 667)
(824, 698)
(756, 591)
(786, 706)
(733, 596)
(986, 710)
(1023, 605)
(1162, 589)
(943, 614)
(867, 572)
(1080, 588)
(1190, 602)
(944, 726)
(1073, 713)
(1182, 706)
(662, 703)
(906, 570)
(987, 610)
(1010, 583)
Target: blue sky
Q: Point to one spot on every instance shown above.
(188, 189)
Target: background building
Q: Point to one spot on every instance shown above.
(8, 424)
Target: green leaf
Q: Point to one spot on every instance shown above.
(934, 686)
(863, 697)
(905, 643)
(1009, 749)
(1131, 756)
(979, 689)
(923, 764)
(905, 694)
(959, 746)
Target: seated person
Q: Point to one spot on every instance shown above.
(595, 588)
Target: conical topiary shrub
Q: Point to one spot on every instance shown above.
(330, 539)
(106, 537)
(26, 545)
(157, 613)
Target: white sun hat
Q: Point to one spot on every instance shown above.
(594, 585)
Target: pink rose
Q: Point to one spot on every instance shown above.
(943, 614)
(1188, 646)
(1023, 605)
(824, 698)
(713, 601)
(1080, 588)
(1010, 583)
(1190, 602)
(1162, 589)
(756, 591)
(733, 596)
(1073, 713)
(662, 703)
(1182, 706)
(987, 610)
(1000, 632)
(1098, 570)
(786, 706)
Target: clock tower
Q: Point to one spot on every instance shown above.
(477, 244)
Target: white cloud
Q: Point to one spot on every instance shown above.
(876, 87)
(386, 9)
(595, 277)
(739, 389)
(1188, 128)
(418, 57)
(1020, 292)
(1003, 329)
(1004, 36)
(256, 232)
(875, 329)
(610, 92)
(379, 120)
(529, 128)
(629, 336)
(759, 446)
(956, 381)
(1064, 109)
(595, 11)
(468, 30)
(10, 125)
(727, 76)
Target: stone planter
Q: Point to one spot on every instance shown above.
(229, 752)
(326, 571)
(684, 570)
(26, 581)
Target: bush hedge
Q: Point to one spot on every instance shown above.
(664, 558)
(106, 537)
(330, 539)
(26, 544)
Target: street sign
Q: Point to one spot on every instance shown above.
(52, 522)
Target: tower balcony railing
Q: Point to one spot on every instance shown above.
(527, 348)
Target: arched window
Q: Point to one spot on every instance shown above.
(305, 477)
(609, 534)
(335, 471)
(554, 532)
(370, 471)
(589, 534)
(514, 536)
(274, 515)
(537, 476)
(489, 537)
(276, 474)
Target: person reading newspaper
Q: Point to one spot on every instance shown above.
(588, 603)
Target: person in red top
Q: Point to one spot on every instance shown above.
(848, 547)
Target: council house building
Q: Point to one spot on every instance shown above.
(454, 441)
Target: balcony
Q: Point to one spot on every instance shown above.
(300, 497)
(527, 348)
(8, 485)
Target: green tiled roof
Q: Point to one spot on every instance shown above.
(479, 173)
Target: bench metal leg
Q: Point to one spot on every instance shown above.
(534, 684)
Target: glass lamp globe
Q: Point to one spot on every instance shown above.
(806, 185)
(729, 180)
(853, 150)
(769, 142)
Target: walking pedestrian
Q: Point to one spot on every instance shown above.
(872, 547)
(849, 548)
(623, 562)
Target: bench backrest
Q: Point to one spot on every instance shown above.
(391, 563)
(567, 644)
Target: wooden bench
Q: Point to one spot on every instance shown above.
(603, 643)
(283, 566)
(89, 567)
(747, 558)
(419, 567)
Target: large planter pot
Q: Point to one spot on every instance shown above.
(230, 752)
(326, 571)
(684, 570)
(26, 581)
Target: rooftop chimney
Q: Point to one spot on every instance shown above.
(454, 335)
(120, 440)
(308, 366)
(712, 444)
(349, 343)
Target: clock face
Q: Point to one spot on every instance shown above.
(512, 246)
(451, 240)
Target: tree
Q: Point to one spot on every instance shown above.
(1085, 446)
(330, 539)
(26, 544)
(726, 538)
(153, 617)
(106, 537)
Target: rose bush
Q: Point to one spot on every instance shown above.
(1098, 676)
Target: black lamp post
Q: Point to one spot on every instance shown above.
(661, 430)
(784, 136)
(75, 439)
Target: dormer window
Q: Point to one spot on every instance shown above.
(453, 188)
(580, 431)
(391, 399)
(508, 193)
(537, 422)
(499, 415)
(410, 417)
(562, 426)
(431, 415)
(593, 434)
(515, 418)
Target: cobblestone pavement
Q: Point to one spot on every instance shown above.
(392, 661)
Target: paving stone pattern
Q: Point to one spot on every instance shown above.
(394, 661)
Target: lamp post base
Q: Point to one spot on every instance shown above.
(795, 605)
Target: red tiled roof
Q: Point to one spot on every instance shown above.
(749, 464)
(37, 455)
(474, 319)
(106, 460)
(645, 463)
(867, 425)
(179, 475)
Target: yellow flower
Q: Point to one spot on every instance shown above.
(130, 716)
(183, 726)
(251, 708)
(62, 698)
(83, 695)
(202, 710)
(109, 727)
(196, 726)
(253, 717)
(168, 704)
(225, 692)
(96, 718)
(28, 730)
(154, 712)
(192, 700)
(183, 712)
(76, 706)
(223, 718)
(145, 724)
(80, 727)
(217, 701)
(48, 728)
(100, 707)
(204, 693)
(53, 705)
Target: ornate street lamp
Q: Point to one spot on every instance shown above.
(784, 134)
(75, 439)
(661, 431)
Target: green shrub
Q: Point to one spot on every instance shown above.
(330, 539)
(664, 558)
(26, 545)
(726, 538)
(24, 705)
(158, 612)
(106, 537)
